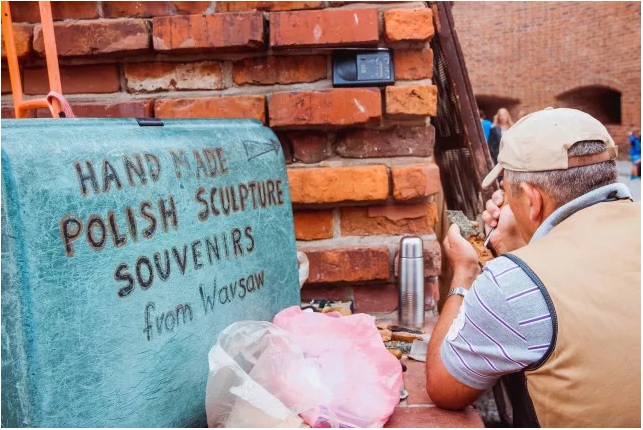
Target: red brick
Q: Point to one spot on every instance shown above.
(417, 181)
(152, 77)
(414, 64)
(22, 34)
(337, 184)
(28, 11)
(96, 37)
(329, 27)
(243, 6)
(214, 107)
(7, 112)
(279, 70)
(128, 109)
(6, 82)
(348, 264)
(394, 142)
(430, 416)
(415, 383)
(211, 32)
(309, 147)
(146, 9)
(286, 145)
(326, 108)
(401, 219)
(96, 79)
(431, 293)
(408, 25)
(412, 101)
(313, 225)
(432, 259)
(375, 298)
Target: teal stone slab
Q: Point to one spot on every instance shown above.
(115, 284)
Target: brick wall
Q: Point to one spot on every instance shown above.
(361, 170)
(533, 52)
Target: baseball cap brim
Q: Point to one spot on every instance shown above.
(492, 176)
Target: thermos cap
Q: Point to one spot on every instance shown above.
(411, 247)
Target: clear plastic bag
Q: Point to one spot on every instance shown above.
(331, 371)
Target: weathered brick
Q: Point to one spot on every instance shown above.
(393, 220)
(96, 37)
(213, 107)
(412, 101)
(418, 417)
(408, 25)
(97, 79)
(128, 109)
(413, 64)
(329, 27)
(146, 9)
(7, 112)
(309, 147)
(286, 145)
(417, 181)
(243, 6)
(394, 142)
(28, 11)
(432, 254)
(22, 34)
(326, 108)
(152, 77)
(348, 264)
(375, 298)
(279, 70)
(211, 32)
(337, 184)
(313, 225)
(6, 82)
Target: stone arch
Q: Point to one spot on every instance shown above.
(491, 103)
(599, 100)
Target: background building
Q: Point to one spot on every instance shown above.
(529, 55)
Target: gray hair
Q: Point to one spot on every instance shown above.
(565, 185)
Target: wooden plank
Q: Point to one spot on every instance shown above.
(461, 85)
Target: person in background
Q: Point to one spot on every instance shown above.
(554, 317)
(635, 153)
(501, 123)
(486, 124)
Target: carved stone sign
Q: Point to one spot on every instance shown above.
(125, 251)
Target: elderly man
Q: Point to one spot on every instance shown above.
(557, 316)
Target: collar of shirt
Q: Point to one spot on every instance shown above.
(616, 191)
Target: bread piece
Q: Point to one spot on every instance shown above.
(386, 335)
(383, 326)
(396, 352)
(405, 337)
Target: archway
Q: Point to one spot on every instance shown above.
(602, 102)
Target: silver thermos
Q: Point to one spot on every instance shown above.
(411, 283)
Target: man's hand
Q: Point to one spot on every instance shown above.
(506, 237)
(461, 255)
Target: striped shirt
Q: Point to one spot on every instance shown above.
(504, 324)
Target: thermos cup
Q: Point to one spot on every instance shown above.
(411, 282)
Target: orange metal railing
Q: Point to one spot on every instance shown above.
(21, 105)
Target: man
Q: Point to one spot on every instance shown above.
(486, 124)
(635, 153)
(557, 315)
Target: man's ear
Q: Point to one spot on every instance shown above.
(535, 200)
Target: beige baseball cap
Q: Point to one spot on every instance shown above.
(539, 141)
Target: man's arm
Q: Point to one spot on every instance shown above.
(444, 389)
